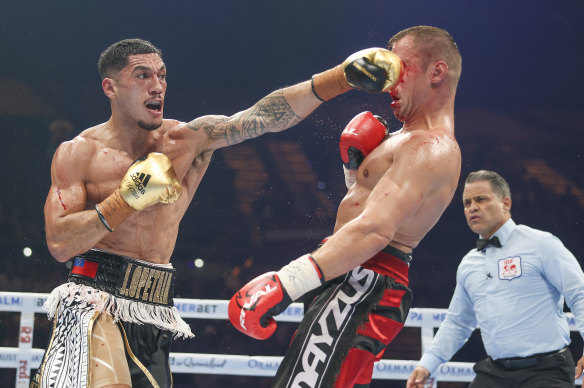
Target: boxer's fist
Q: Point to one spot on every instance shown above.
(150, 180)
(251, 309)
(363, 133)
(373, 69)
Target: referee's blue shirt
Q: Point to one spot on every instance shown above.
(514, 295)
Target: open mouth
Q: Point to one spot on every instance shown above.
(394, 99)
(154, 105)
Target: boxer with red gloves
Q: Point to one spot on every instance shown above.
(374, 69)
(252, 308)
(355, 284)
(365, 132)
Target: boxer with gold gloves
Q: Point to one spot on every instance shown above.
(118, 193)
(355, 285)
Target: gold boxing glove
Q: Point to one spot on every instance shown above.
(149, 180)
(373, 69)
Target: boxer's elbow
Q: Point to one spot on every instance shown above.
(380, 239)
(58, 249)
(59, 254)
(379, 234)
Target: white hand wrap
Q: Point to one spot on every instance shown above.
(350, 177)
(300, 276)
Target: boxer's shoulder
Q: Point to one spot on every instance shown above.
(426, 144)
(80, 147)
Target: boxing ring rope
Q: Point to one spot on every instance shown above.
(25, 357)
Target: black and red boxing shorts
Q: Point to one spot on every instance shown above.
(348, 323)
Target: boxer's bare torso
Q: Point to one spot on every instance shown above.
(441, 153)
(406, 183)
(92, 166)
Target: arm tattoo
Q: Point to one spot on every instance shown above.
(207, 123)
(271, 114)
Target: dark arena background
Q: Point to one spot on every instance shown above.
(519, 111)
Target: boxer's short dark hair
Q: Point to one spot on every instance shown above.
(436, 42)
(115, 57)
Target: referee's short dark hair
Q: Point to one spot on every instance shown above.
(498, 183)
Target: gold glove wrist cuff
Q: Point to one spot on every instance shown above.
(330, 83)
(102, 219)
(113, 211)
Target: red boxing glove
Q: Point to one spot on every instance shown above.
(252, 308)
(365, 132)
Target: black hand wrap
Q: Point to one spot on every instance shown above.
(355, 158)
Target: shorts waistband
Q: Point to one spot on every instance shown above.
(398, 254)
(515, 363)
(124, 277)
(391, 262)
